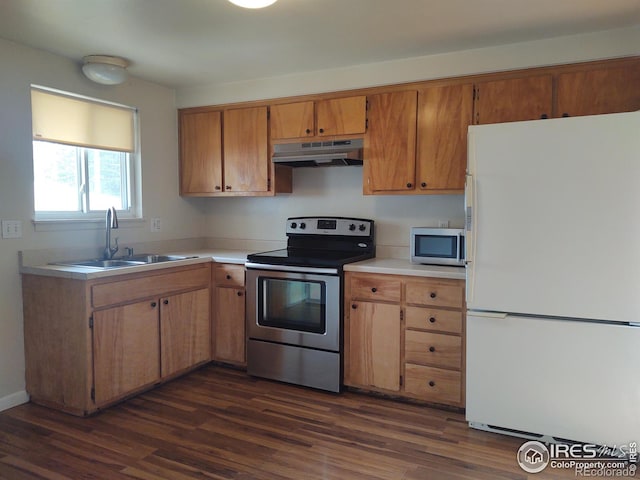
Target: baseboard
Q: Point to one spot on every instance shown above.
(13, 400)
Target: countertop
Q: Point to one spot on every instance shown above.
(89, 273)
(395, 266)
(389, 266)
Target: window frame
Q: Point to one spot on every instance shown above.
(132, 181)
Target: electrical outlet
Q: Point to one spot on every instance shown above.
(11, 229)
(443, 223)
(156, 224)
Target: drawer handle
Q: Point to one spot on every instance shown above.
(433, 295)
(228, 277)
(432, 319)
(432, 383)
(432, 349)
(153, 304)
(374, 289)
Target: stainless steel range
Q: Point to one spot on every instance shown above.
(294, 300)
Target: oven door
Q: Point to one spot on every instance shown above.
(294, 308)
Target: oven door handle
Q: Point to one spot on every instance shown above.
(291, 268)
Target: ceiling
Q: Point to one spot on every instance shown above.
(182, 43)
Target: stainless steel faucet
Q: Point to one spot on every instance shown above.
(111, 221)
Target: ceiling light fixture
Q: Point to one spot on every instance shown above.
(253, 3)
(105, 69)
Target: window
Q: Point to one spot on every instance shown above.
(84, 152)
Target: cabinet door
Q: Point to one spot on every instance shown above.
(444, 115)
(390, 142)
(200, 153)
(229, 335)
(341, 116)
(185, 330)
(126, 350)
(374, 345)
(513, 100)
(246, 156)
(292, 120)
(594, 92)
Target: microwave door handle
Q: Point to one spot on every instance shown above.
(460, 248)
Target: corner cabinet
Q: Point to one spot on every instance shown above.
(226, 153)
(404, 336)
(229, 340)
(91, 343)
(322, 118)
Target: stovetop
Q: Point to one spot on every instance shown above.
(322, 242)
(308, 257)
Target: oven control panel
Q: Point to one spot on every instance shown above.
(351, 227)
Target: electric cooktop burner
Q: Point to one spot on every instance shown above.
(322, 242)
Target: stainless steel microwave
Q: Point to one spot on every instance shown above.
(437, 246)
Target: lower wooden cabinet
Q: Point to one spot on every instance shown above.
(404, 335)
(229, 341)
(90, 343)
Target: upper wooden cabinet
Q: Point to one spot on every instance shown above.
(390, 143)
(331, 117)
(246, 153)
(513, 100)
(594, 92)
(444, 115)
(241, 168)
(200, 153)
(395, 162)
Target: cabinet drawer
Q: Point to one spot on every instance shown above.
(229, 275)
(426, 348)
(434, 319)
(157, 285)
(433, 384)
(376, 288)
(435, 294)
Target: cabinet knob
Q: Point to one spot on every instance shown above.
(153, 304)
(321, 130)
(432, 319)
(165, 302)
(227, 187)
(217, 187)
(354, 306)
(432, 349)
(374, 289)
(423, 184)
(228, 277)
(544, 116)
(432, 383)
(409, 184)
(433, 295)
(239, 293)
(565, 115)
(308, 131)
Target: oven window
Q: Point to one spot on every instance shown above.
(436, 246)
(292, 304)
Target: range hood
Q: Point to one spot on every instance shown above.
(319, 154)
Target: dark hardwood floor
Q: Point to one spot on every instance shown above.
(218, 423)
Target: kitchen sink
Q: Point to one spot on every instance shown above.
(131, 261)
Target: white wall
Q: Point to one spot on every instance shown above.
(21, 67)
(578, 48)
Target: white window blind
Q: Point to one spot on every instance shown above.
(80, 122)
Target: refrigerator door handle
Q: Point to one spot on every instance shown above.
(470, 240)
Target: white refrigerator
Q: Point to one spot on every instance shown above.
(553, 278)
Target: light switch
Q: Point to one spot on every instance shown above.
(11, 229)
